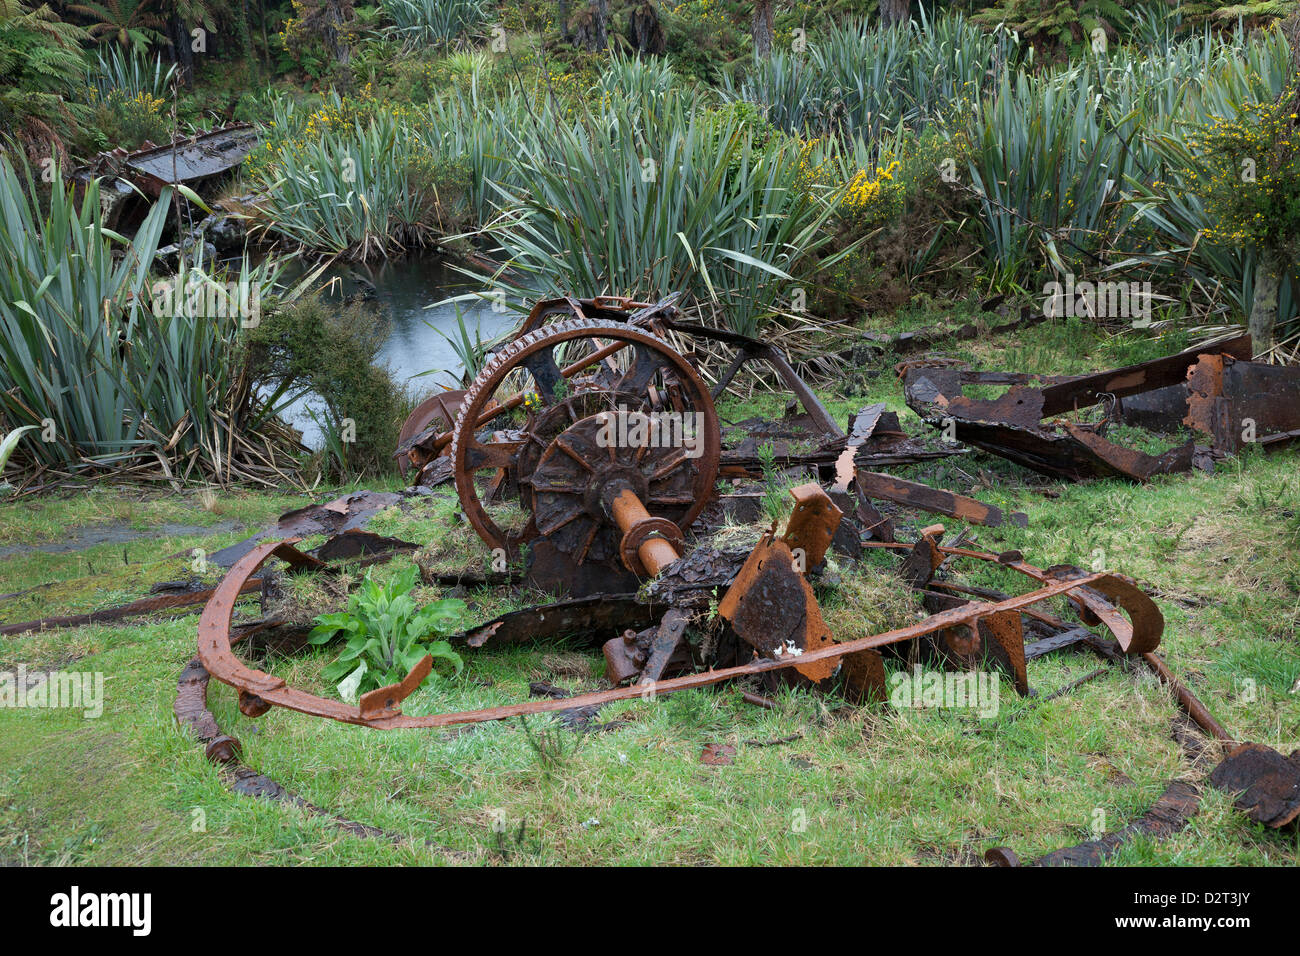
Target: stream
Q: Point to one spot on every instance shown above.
(405, 289)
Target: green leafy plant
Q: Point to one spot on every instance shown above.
(421, 23)
(387, 635)
(7, 446)
(776, 486)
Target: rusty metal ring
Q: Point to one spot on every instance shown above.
(637, 535)
(469, 455)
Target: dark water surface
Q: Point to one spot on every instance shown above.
(404, 289)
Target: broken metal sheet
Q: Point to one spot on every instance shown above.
(417, 439)
(1015, 425)
(691, 580)
(1265, 783)
(771, 606)
(812, 524)
(355, 543)
(996, 639)
(348, 513)
(597, 615)
(1130, 462)
(864, 677)
(164, 602)
(1237, 402)
(718, 755)
(1178, 804)
(190, 160)
(1087, 390)
(916, 495)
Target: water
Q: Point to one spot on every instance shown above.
(404, 290)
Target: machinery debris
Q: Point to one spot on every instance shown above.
(620, 528)
(1214, 390)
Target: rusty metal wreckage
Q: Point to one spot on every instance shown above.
(608, 522)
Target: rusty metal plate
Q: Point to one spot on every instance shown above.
(1265, 783)
(771, 606)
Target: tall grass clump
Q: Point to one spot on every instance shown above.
(118, 370)
(1047, 161)
(420, 23)
(128, 73)
(356, 181)
(861, 79)
(645, 198)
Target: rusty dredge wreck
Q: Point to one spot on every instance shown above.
(621, 529)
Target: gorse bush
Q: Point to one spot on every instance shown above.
(1249, 177)
(126, 120)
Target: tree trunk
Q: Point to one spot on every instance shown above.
(592, 30)
(1263, 307)
(602, 24)
(564, 19)
(645, 31)
(763, 29)
(184, 56)
(895, 11)
(334, 33)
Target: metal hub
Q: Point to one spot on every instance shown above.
(581, 473)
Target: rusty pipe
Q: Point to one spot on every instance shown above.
(656, 553)
(1189, 701)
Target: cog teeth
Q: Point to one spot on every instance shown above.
(490, 377)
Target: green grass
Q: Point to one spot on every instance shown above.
(873, 785)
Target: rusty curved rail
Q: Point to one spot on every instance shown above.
(380, 709)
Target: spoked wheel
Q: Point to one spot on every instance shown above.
(543, 396)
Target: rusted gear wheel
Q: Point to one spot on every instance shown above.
(580, 475)
(567, 372)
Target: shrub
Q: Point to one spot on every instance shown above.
(126, 120)
(329, 351)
